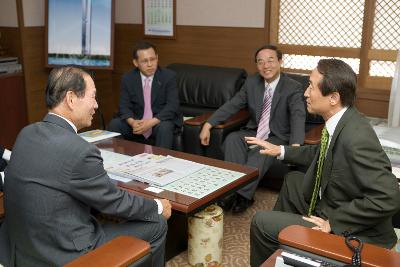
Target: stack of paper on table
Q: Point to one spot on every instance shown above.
(97, 135)
(149, 168)
(389, 138)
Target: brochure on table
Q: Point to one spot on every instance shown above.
(97, 135)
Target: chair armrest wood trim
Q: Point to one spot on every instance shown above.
(121, 251)
(240, 117)
(334, 247)
(313, 136)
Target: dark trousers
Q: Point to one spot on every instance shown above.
(152, 231)
(237, 150)
(266, 225)
(162, 134)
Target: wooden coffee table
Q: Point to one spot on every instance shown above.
(182, 205)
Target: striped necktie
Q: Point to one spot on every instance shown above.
(263, 124)
(147, 113)
(320, 165)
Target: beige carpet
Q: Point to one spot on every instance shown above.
(236, 233)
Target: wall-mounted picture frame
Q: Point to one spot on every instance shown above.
(159, 18)
(80, 32)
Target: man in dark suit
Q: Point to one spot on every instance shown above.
(348, 189)
(277, 114)
(149, 102)
(55, 178)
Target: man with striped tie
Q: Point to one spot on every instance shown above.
(348, 189)
(277, 114)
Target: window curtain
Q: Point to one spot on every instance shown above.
(394, 103)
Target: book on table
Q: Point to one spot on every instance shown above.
(97, 135)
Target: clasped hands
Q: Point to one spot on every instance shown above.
(141, 126)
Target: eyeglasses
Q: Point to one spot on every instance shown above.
(262, 62)
(148, 60)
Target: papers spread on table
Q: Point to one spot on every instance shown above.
(203, 182)
(389, 137)
(97, 135)
(396, 171)
(168, 173)
(155, 169)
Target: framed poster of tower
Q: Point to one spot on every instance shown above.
(80, 32)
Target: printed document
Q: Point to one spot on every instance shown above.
(152, 169)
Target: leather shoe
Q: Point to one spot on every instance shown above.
(241, 204)
(226, 202)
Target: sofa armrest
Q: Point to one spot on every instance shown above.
(334, 247)
(313, 136)
(238, 118)
(121, 251)
(1, 204)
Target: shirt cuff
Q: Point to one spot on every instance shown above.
(2, 176)
(282, 155)
(160, 207)
(6, 154)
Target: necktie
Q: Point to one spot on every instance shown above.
(148, 113)
(263, 124)
(320, 164)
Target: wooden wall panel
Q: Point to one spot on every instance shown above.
(373, 102)
(372, 107)
(12, 108)
(35, 73)
(216, 46)
(126, 35)
(11, 41)
(104, 88)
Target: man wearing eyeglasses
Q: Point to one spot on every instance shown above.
(277, 114)
(149, 102)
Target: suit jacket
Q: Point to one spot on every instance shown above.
(359, 192)
(164, 96)
(287, 117)
(53, 180)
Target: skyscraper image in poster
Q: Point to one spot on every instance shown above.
(79, 32)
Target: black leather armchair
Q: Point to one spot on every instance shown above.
(202, 90)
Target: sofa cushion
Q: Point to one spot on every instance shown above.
(207, 86)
